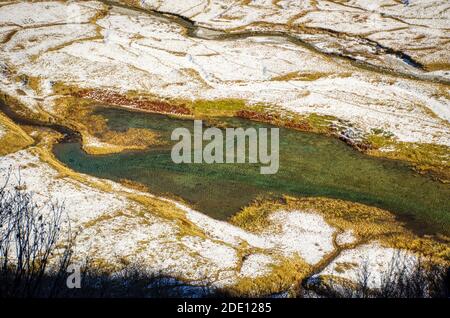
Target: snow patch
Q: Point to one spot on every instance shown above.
(346, 237)
(290, 233)
(379, 261)
(256, 265)
(82, 202)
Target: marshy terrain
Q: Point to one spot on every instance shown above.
(310, 165)
(92, 90)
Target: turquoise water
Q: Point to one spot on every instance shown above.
(310, 165)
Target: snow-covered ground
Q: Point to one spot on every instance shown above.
(353, 28)
(84, 202)
(88, 45)
(370, 261)
(293, 232)
(128, 50)
(111, 227)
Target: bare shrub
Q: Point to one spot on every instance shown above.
(421, 279)
(32, 264)
(133, 281)
(28, 239)
(405, 277)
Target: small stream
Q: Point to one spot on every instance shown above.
(310, 165)
(206, 33)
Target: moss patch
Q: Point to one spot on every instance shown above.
(216, 108)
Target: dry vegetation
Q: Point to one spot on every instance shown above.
(426, 158)
(285, 275)
(74, 109)
(366, 223)
(14, 138)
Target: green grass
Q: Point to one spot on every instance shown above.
(310, 165)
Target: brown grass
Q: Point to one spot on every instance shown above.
(14, 137)
(367, 223)
(297, 76)
(80, 116)
(426, 158)
(286, 274)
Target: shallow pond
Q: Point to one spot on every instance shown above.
(310, 164)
